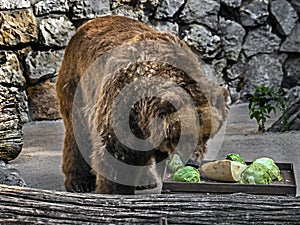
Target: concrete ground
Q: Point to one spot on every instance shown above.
(40, 160)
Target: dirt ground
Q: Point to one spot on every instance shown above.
(40, 160)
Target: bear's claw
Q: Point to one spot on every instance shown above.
(80, 184)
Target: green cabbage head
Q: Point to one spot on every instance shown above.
(272, 167)
(256, 174)
(235, 157)
(187, 174)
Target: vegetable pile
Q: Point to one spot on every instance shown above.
(232, 169)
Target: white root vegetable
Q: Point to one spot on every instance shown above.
(223, 170)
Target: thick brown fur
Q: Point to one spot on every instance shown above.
(96, 38)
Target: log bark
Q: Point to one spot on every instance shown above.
(293, 116)
(32, 206)
(12, 117)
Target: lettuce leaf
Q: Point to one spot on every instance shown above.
(235, 157)
(273, 169)
(187, 174)
(256, 174)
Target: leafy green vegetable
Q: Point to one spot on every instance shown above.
(273, 169)
(174, 163)
(235, 157)
(256, 174)
(187, 174)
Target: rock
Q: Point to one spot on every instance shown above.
(117, 3)
(13, 4)
(232, 35)
(132, 3)
(282, 57)
(88, 9)
(45, 7)
(17, 27)
(131, 12)
(254, 12)
(285, 15)
(232, 3)
(166, 26)
(218, 66)
(43, 64)
(233, 90)
(10, 70)
(55, 31)
(167, 8)
(293, 115)
(261, 69)
(235, 74)
(292, 42)
(292, 72)
(148, 5)
(203, 40)
(42, 101)
(261, 40)
(141, 10)
(296, 5)
(10, 177)
(23, 52)
(204, 12)
(238, 69)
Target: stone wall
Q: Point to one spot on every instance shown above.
(244, 43)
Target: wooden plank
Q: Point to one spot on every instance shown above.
(212, 187)
(32, 206)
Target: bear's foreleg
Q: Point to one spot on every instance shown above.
(105, 186)
(78, 176)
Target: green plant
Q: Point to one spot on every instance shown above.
(263, 102)
(283, 105)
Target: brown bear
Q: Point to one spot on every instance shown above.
(122, 83)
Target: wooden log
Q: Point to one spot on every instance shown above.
(32, 206)
(13, 114)
(293, 115)
(11, 142)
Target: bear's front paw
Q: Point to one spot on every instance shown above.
(79, 183)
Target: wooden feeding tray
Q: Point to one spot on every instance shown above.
(287, 186)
